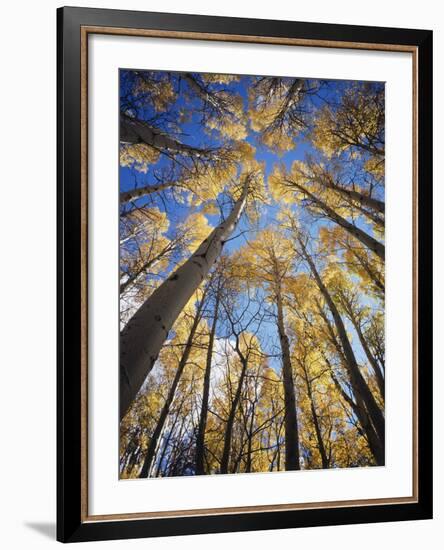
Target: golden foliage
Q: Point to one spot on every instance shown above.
(160, 92)
(138, 156)
(357, 123)
(214, 78)
(273, 111)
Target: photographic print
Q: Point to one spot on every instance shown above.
(251, 246)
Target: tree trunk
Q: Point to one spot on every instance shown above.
(166, 444)
(372, 360)
(205, 95)
(361, 198)
(358, 382)
(358, 408)
(200, 439)
(133, 461)
(230, 422)
(149, 263)
(249, 461)
(291, 421)
(137, 193)
(372, 216)
(166, 406)
(321, 446)
(144, 334)
(366, 239)
(173, 458)
(134, 131)
(370, 272)
(361, 414)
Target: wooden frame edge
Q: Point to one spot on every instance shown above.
(84, 271)
(415, 277)
(250, 509)
(90, 29)
(253, 39)
(73, 521)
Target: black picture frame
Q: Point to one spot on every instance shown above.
(71, 523)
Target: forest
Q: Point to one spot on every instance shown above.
(251, 231)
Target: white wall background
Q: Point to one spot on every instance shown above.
(27, 398)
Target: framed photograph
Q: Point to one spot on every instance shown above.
(245, 265)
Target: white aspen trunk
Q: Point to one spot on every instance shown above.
(291, 420)
(358, 382)
(132, 279)
(366, 239)
(362, 198)
(155, 438)
(127, 196)
(314, 415)
(145, 333)
(372, 216)
(200, 438)
(134, 131)
(361, 261)
(136, 231)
